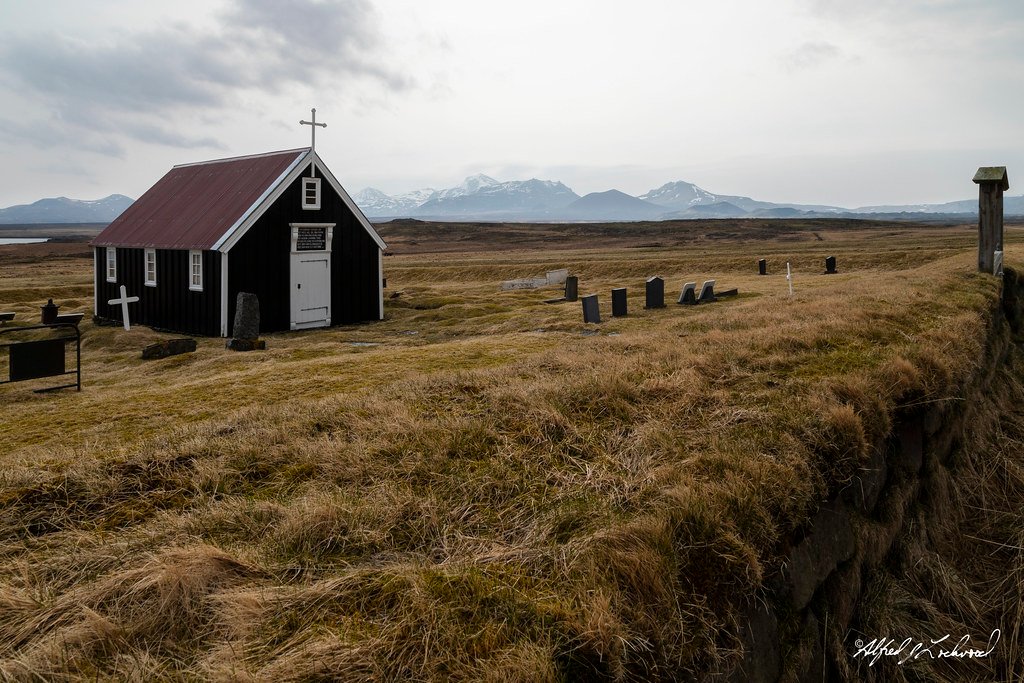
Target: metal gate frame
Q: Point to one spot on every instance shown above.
(66, 338)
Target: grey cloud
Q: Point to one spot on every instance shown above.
(938, 26)
(811, 54)
(54, 133)
(139, 85)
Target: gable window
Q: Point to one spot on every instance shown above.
(111, 264)
(195, 271)
(311, 193)
(151, 267)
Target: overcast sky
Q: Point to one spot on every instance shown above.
(814, 101)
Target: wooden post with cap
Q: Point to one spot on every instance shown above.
(992, 182)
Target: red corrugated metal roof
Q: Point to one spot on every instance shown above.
(194, 205)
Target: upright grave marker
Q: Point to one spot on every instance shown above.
(572, 288)
(992, 182)
(591, 311)
(124, 300)
(246, 329)
(688, 296)
(619, 303)
(762, 267)
(789, 278)
(655, 293)
(830, 265)
(707, 292)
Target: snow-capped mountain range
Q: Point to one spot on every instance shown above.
(477, 196)
(481, 197)
(64, 210)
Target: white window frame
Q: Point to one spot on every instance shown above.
(195, 279)
(111, 264)
(315, 184)
(148, 253)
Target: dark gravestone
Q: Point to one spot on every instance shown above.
(655, 293)
(707, 292)
(688, 295)
(591, 311)
(572, 285)
(619, 302)
(247, 324)
(762, 267)
(247, 316)
(830, 265)
(6, 316)
(168, 347)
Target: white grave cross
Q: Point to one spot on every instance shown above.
(312, 143)
(789, 278)
(124, 301)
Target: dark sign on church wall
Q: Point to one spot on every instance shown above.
(311, 239)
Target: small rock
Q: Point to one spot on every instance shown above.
(246, 344)
(169, 347)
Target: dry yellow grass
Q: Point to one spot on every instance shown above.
(486, 494)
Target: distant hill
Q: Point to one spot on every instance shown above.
(611, 205)
(719, 210)
(1012, 206)
(64, 210)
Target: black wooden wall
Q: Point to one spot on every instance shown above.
(260, 261)
(171, 304)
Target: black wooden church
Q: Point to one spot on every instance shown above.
(278, 225)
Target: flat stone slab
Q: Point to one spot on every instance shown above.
(246, 344)
(557, 277)
(525, 283)
(168, 347)
(5, 316)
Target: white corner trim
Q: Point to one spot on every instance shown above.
(224, 294)
(262, 203)
(96, 281)
(239, 158)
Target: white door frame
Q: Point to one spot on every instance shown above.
(297, 249)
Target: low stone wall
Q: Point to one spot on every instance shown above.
(817, 592)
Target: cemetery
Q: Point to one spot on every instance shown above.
(693, 449)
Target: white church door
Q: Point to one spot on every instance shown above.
(310, 275)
